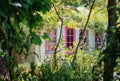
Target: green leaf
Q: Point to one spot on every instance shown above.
(2, 13)
(37, 6)
(46, 8)
(6, 24)
(1, 54)
(35, 39)
(27, 45)
(45, 36)
(17, 49)
(10, 1)
(35, 20)
(25, 5)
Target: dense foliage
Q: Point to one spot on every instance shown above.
(75, 13)
(46, 72)
(85, 68)
(18, 21)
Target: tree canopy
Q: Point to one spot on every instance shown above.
(75, 14)
(18, 21)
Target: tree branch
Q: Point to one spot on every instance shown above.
(61, 27)
(81, 34)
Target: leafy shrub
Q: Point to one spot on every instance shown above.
(83, 71)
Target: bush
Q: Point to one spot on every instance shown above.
(85, 69)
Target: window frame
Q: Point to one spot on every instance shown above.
(68, 35)
(50, 45)
(85, 39)
(98, 40)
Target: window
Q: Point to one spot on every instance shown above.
(50, 45)
(98, 40)
(84, 43)
(70, 36)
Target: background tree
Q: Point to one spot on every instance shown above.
(112, 52)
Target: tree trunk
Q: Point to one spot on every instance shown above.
(110, 53)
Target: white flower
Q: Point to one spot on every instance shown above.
(17, 4)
